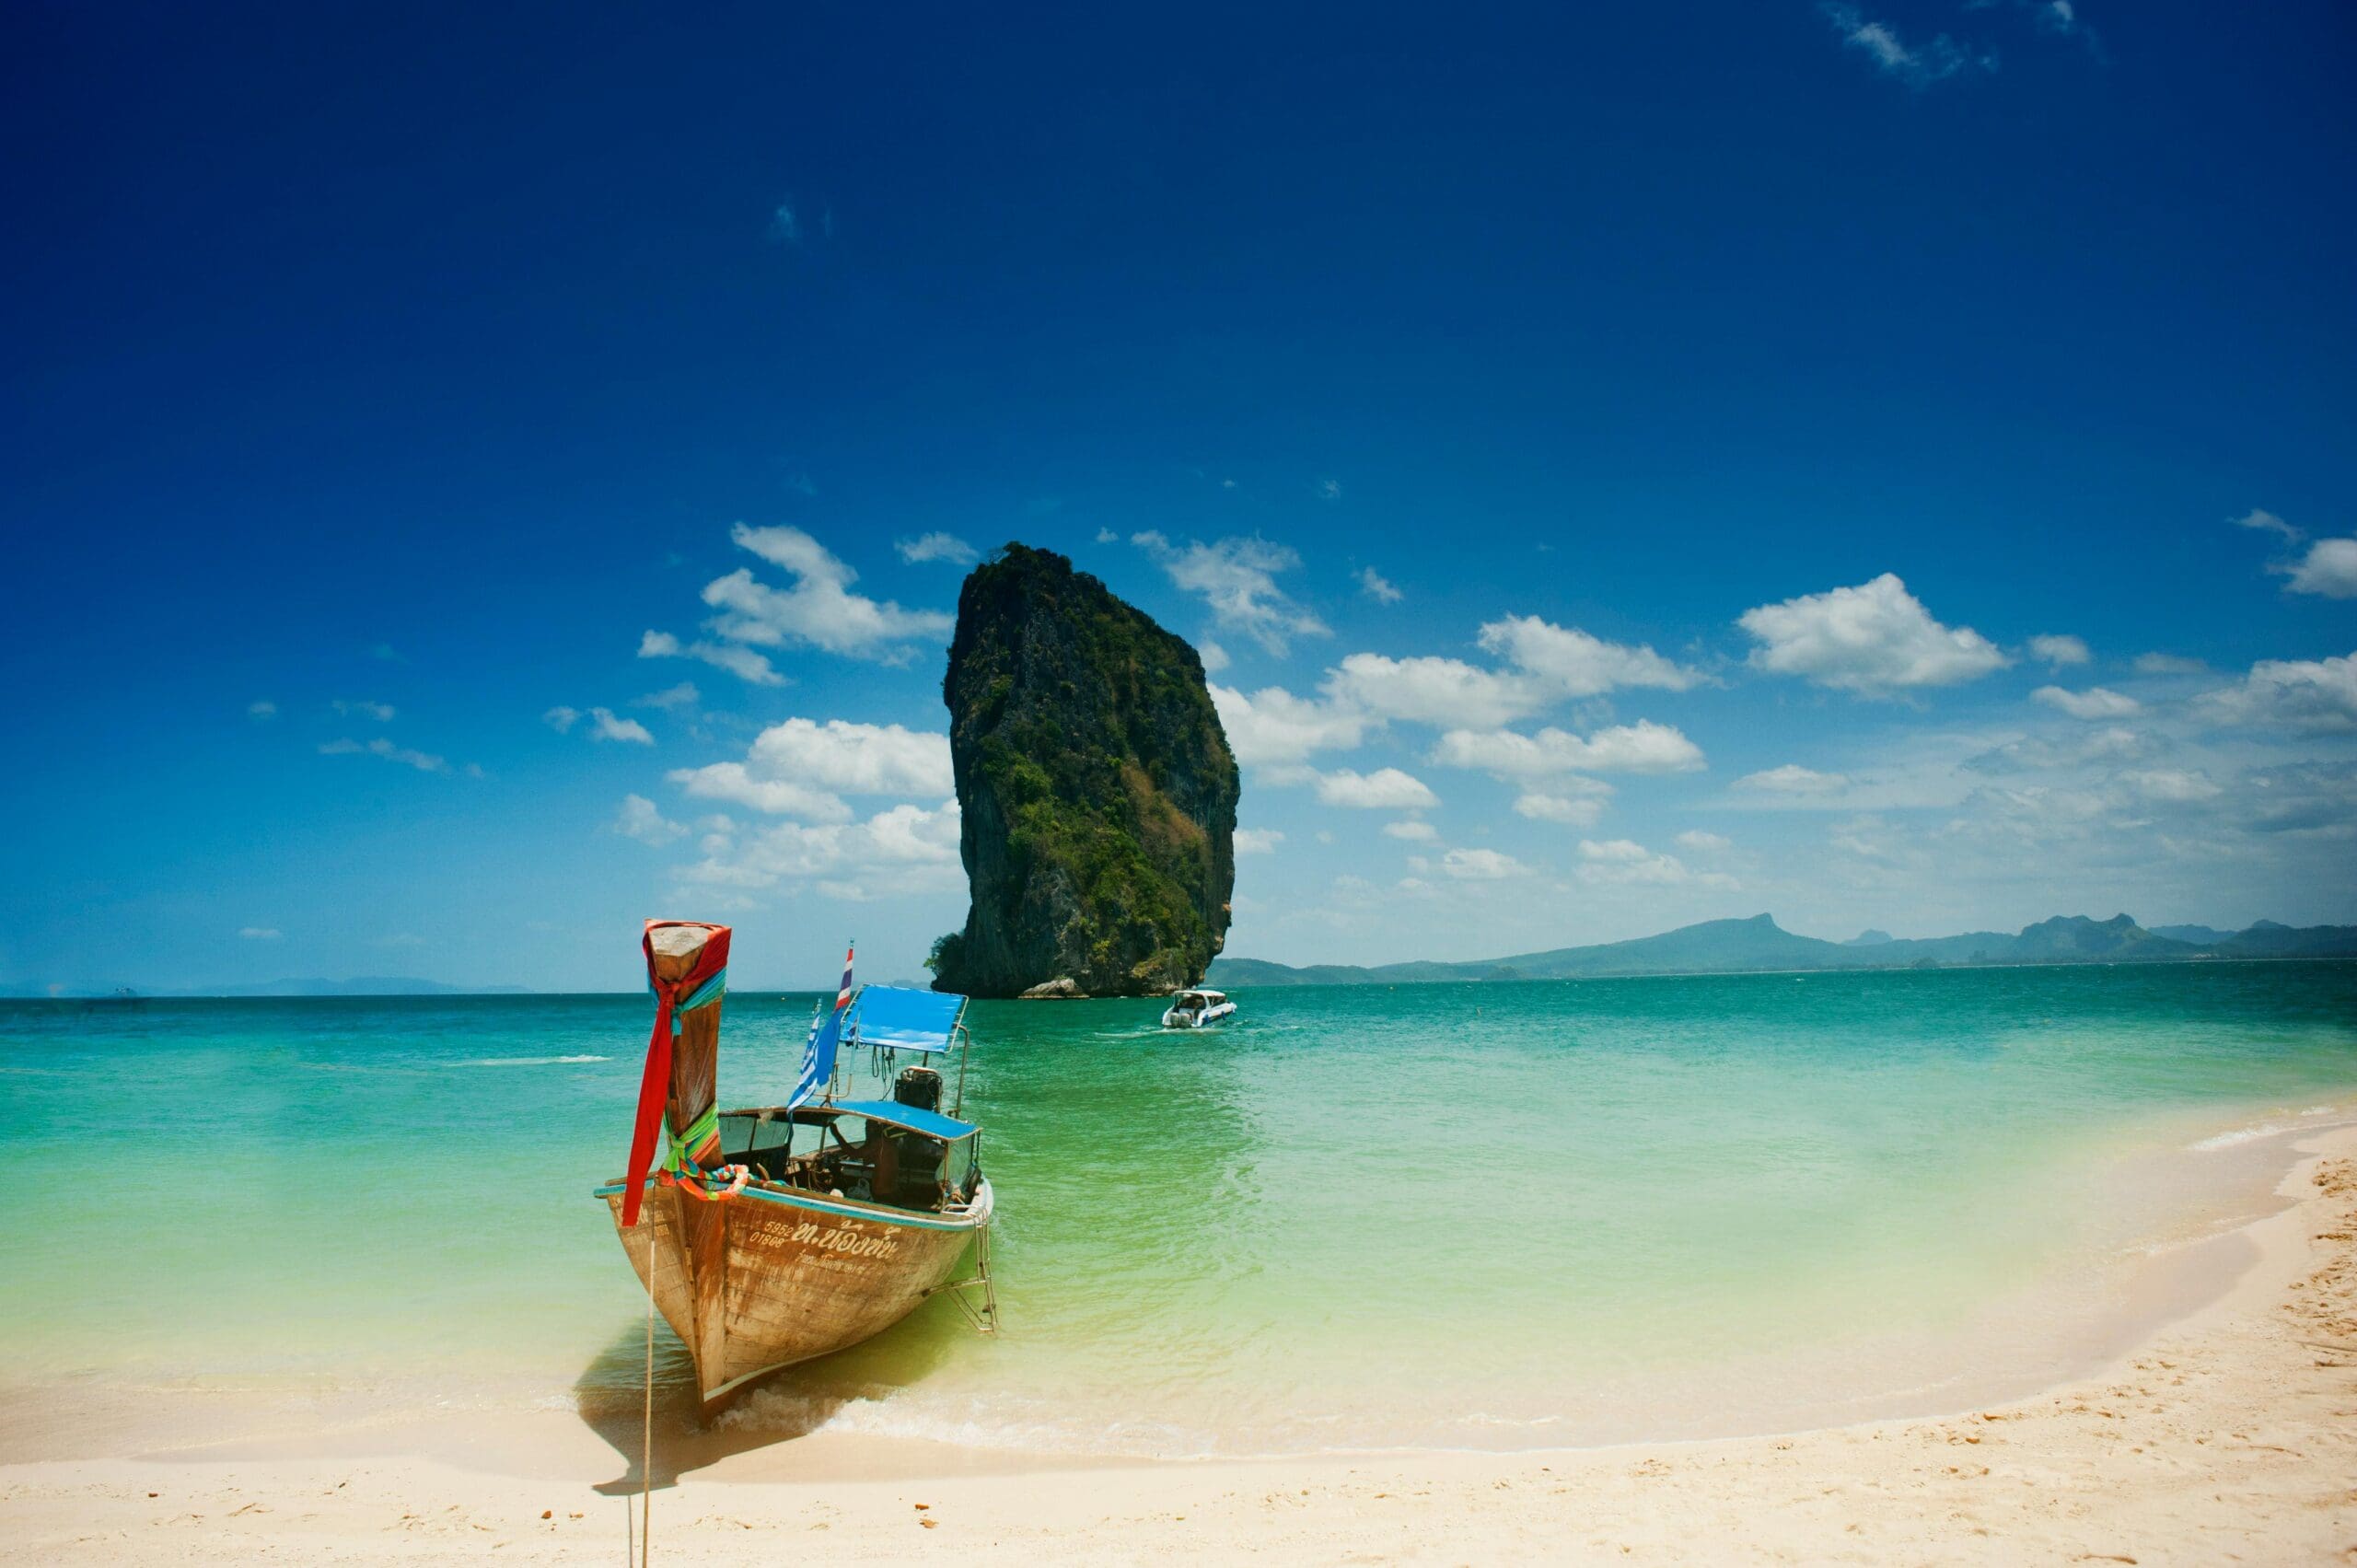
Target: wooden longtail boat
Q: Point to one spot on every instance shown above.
(779, 1233)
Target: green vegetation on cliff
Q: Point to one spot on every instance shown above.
(1096, 790)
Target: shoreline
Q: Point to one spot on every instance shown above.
(2231, 1424)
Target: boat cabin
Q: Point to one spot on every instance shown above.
(877, 1151)
(905, 1152)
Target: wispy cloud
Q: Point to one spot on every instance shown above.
(1792, 779)
(2329, 569)
(423, 762)
(2058, 650)
(2095, 702)
(818, 609)
(936, 547)
(381, 712)
(640, 819)
(259, 711)
(1237, 578)
(259, 933)
(743, 663)
(1377, 588)
(2264, 521)
(1918, 65)
(608, 727)
(671, 699)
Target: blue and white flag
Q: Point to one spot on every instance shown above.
(818, 1054)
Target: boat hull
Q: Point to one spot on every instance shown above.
(769, 1278)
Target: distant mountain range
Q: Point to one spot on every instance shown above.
(1735, 946)
(364, 985)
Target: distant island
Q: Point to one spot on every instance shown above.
(1758, 943)
(363, 985)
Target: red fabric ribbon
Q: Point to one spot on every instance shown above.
(655, 1080)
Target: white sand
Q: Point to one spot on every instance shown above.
(2230, 1436)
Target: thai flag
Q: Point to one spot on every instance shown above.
(818, 1053)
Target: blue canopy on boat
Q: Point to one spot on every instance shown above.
(915, 1118)
(897, 1017)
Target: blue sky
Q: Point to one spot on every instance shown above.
(1622, 458)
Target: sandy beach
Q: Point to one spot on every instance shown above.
(2228, 1435)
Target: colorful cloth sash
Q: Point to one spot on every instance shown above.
(702, 984)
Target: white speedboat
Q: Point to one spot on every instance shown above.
(1196, 1009)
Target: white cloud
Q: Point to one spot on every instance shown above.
(2170, 664)
(641, 819)
(1410, 829)
(1257, 840)
(2329, 569)
(1273, 728)
(1701, 842)
(2176, 784)
(1792, 779)
(742, 662)
(609, 727)
(259, 933)
(562, 719)
(261, 711)
(1386, 789)
(1582, 811)
(1237, 577)
(381, 712)
(1214, 658)
(936, 547)
(1571, 663)
(820, 610)
(1329, 489)
(906, 849)
(1918, 66)
(1431, 690)
(1626, 862)
(1107, 536)
(2095, 702)
(1641, 747)
(801, 768)
(671, 699)
(2058, 650)
(2314, 695)
(1870, 639)
(2265, 521)
(423, 762)
(1481, 866)
(1376, 587)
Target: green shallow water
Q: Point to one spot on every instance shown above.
(1352, 1217)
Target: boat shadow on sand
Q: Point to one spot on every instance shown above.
(610, 1396)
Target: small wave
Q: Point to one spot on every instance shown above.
(528, 1061)
(2238, 1136)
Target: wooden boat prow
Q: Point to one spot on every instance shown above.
(762, 1256)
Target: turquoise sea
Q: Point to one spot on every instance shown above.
(1494, 1216)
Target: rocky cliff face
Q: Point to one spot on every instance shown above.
(1097, 791)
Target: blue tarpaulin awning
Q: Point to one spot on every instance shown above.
(895, 1018)
(915, 1118)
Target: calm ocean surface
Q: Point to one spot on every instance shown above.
(1505, 1214)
